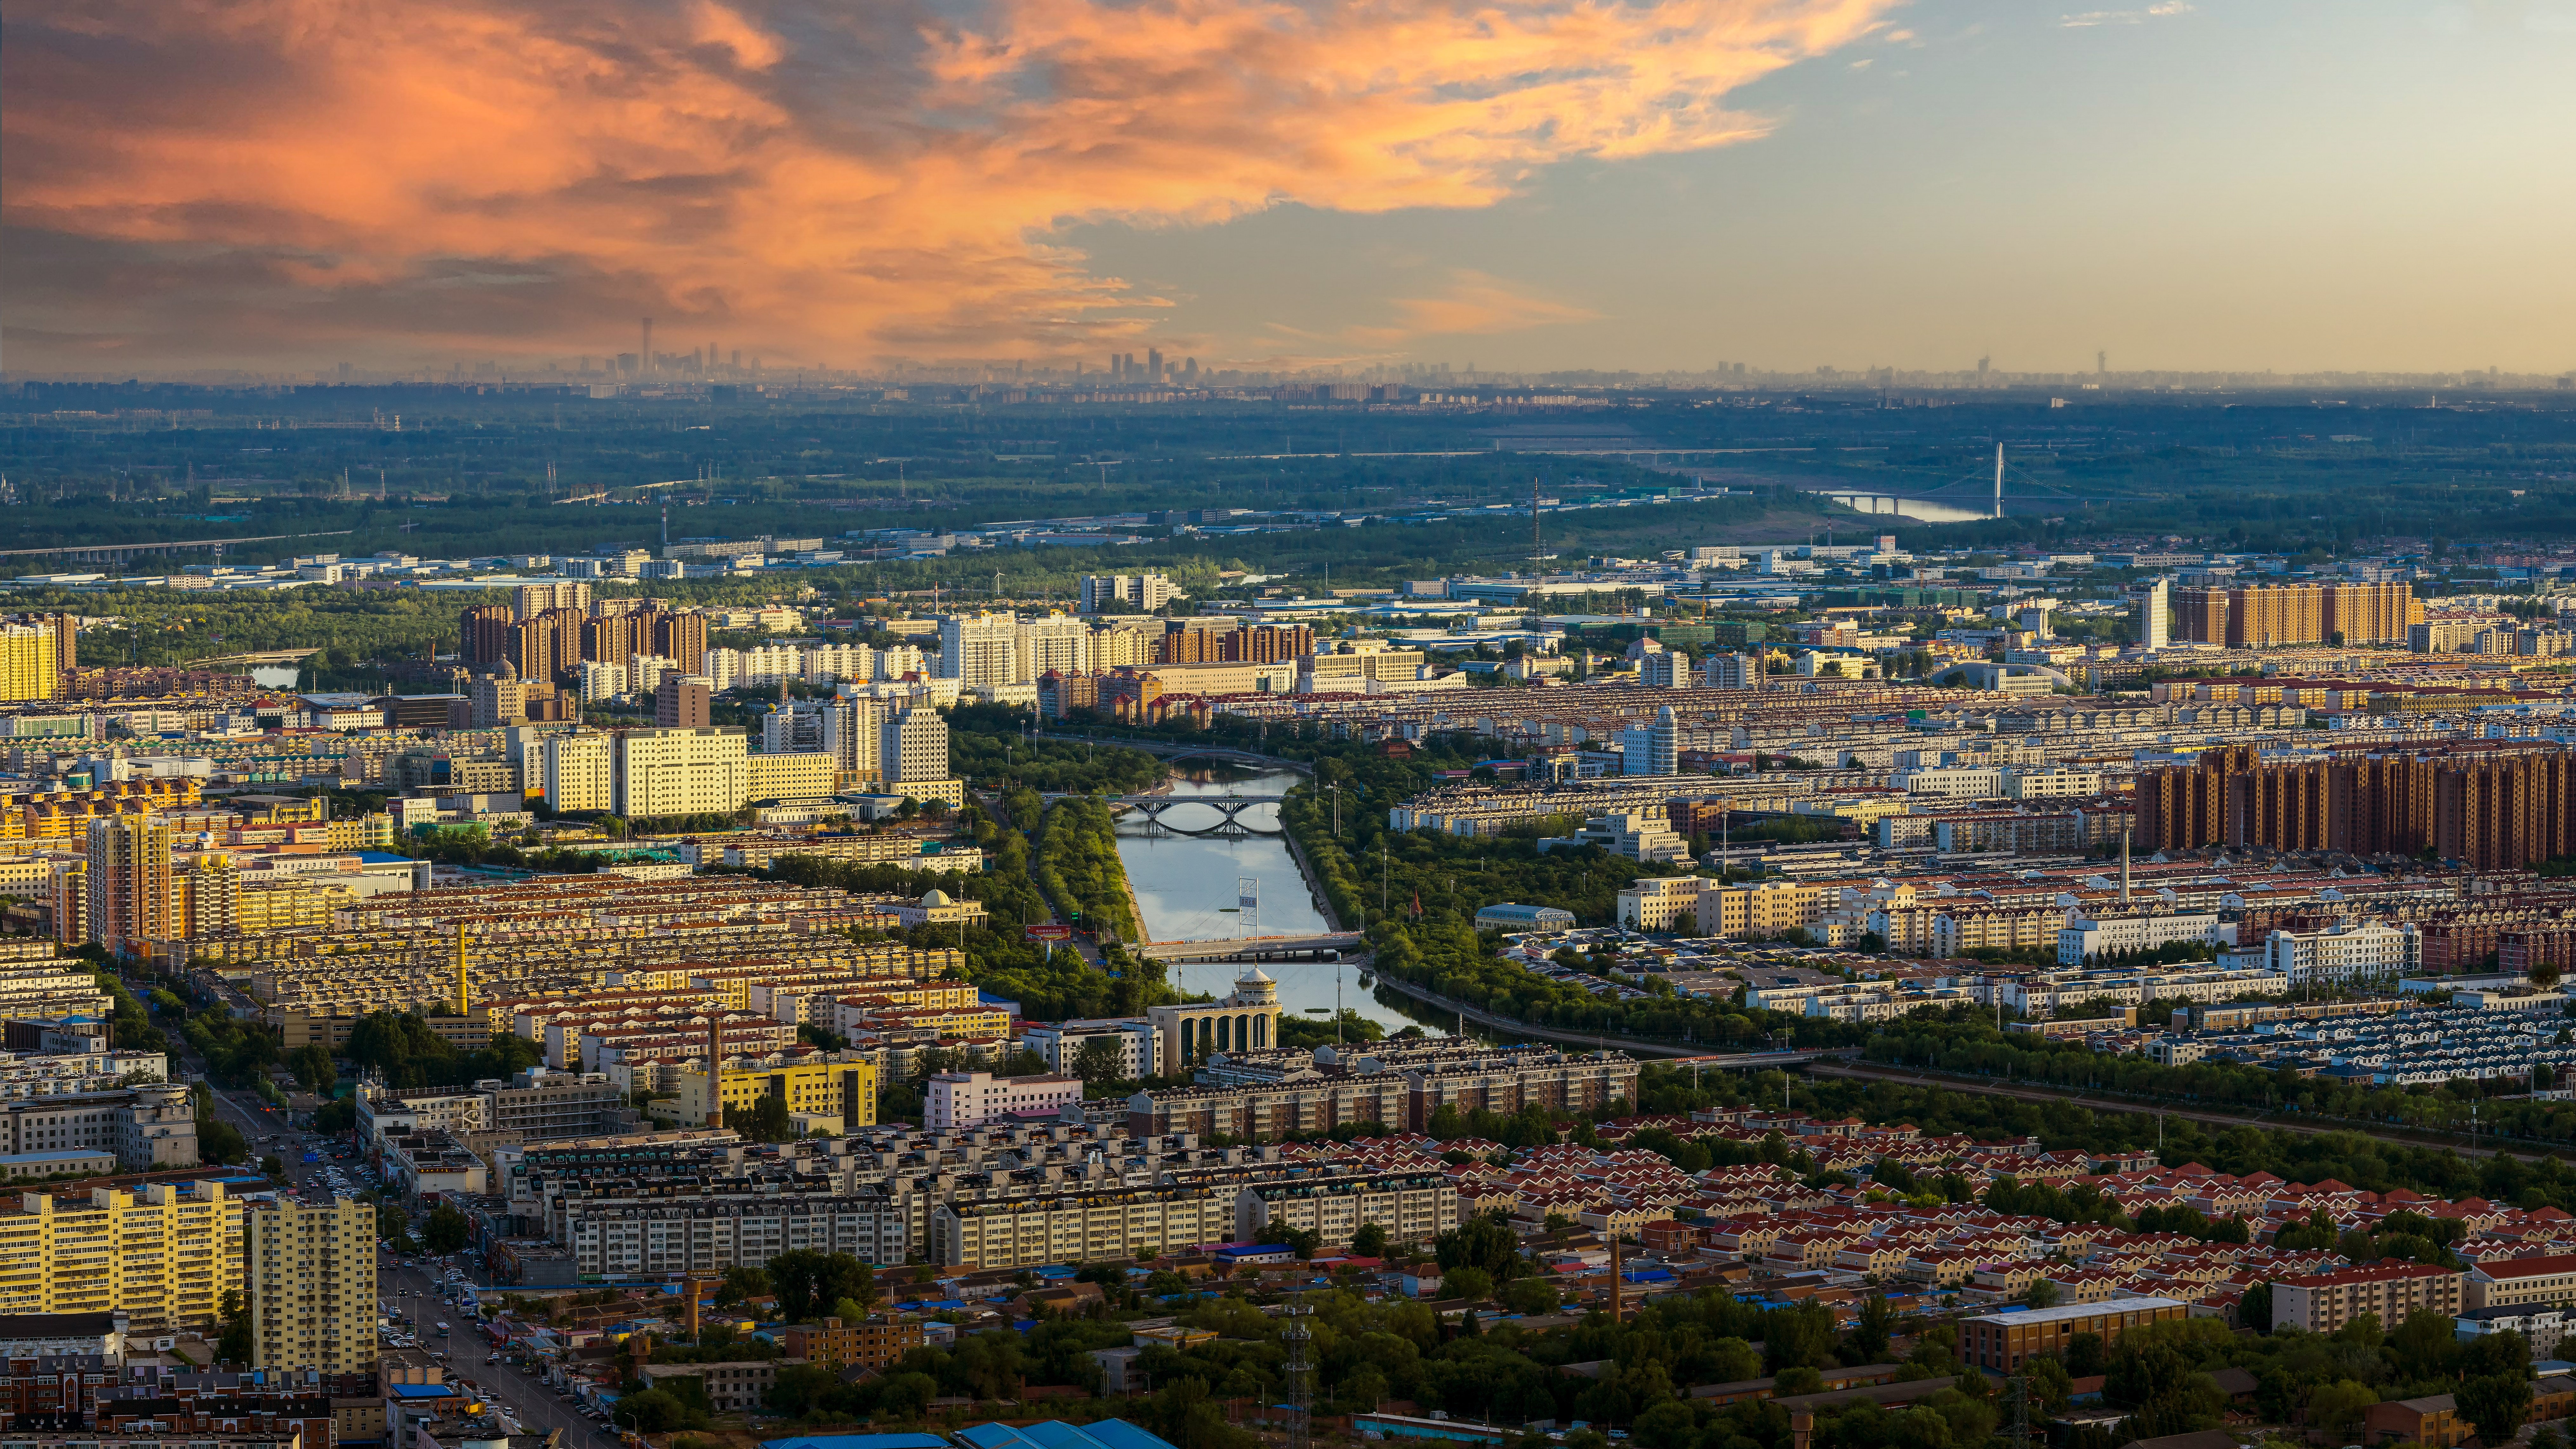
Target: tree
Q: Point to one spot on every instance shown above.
(2254, 1310)
(800, 1387)
(1102, 1059)
(1369, 1241)
(1530, 1295)
(234, 1345)
(447, 1229)
(1870, 1332)
(2043, 1294)
(311, 1064)
(2338, 1407)
(1301, 1241)
(2545, 975)
(740, 1285)
(2496, 1403)
(654, 1411)
(1485, 1241)
(1472, 1284)
(768, 1120)
(807, 1281)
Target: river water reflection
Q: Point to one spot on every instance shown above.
(1186, 887)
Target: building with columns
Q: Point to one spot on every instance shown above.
(1247, 1020)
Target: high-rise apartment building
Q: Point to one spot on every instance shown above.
(2492, 810)
(853, 734)
(680, 638)
(913, 745)
(576, 771)
(2267, 616)
(1142, 592)
(979, 650)
(499, 700)
(2151, 606)
(205, 897)
(534, 599)
(1054, 642)
(482, 634)
(129, 882)
(30, 662)
(164, 1254)
(312, 1285)
(661, 772)
(683, 702)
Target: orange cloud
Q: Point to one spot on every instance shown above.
(834, 181)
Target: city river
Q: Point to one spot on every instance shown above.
(1187, 887)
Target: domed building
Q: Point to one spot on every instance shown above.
(935, 908)
(1246, 1021)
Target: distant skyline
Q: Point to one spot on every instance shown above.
(285, 185)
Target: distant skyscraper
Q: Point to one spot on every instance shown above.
(647, 353)
(1153, 364)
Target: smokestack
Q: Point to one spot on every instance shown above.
(464, 994)
(644, 359)
(715, 1068)
(2124, 865)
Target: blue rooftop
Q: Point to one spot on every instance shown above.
(1057, 1434)
(422, 1391)
(858, 1441)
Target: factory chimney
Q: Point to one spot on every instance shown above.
(715, 1068)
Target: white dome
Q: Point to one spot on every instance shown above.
(1253, 976)
(933, 898)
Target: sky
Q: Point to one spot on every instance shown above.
(1265, 184)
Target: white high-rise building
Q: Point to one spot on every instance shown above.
(832, 663)
(893, 664)
(1665, 669)
(1653, 748)
(601, 681)
(2154, 617)
(852, 735)
(1055, 642)
(913, 745)
(644, 672)
(577, 773)
(979, 650)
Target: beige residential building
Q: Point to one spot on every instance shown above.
(664, 772)
(2324, 1302)
(164, 1255)
(312, 1285)
(789, 776)
(576, 771)
(1763, 909)
(2522, 1280)
(1079, 1227)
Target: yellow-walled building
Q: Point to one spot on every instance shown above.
(846, 1091)
(162, 1255)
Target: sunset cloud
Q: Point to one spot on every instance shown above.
(293, 180)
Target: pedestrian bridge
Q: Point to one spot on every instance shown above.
(1256, 948)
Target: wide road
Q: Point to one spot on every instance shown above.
(411, 1289)
(2104, 1102)
(1484, 1018)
